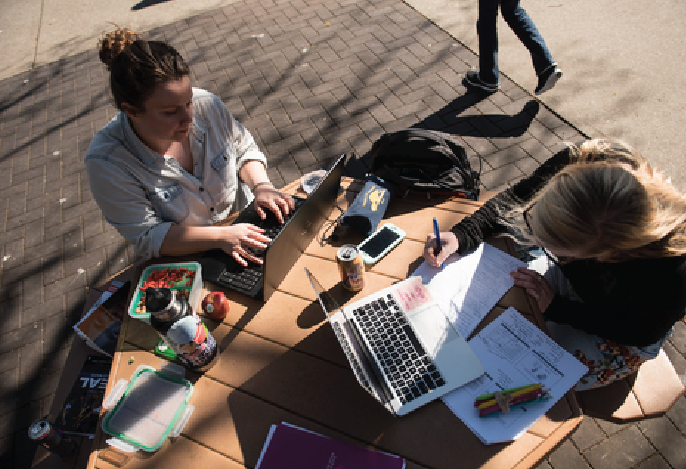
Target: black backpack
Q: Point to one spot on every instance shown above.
(427, 161)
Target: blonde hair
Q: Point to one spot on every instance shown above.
(609, 204)
(137, 66)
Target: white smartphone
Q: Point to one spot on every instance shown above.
(379, 243)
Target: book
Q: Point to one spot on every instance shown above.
(514, 352)
(291, 447)
(100, 326)
(81, 408)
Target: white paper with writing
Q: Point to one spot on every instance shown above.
(471, 285)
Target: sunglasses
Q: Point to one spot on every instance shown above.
(559, 260)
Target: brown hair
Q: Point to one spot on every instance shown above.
(137, 66)
(610, 205)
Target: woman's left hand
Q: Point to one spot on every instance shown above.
(267, 197)
(535, 285)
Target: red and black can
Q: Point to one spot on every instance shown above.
(43, 432)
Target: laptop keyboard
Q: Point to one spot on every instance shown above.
(246, 278)
(408, 368)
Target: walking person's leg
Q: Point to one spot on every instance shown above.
(487, 30)
(526, 31)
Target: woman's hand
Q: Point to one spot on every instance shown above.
(267, 197)
(535, 285)
(236, 239)
(449, 245)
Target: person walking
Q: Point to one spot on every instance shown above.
(486, 78)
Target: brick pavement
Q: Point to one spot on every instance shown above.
(310, 80)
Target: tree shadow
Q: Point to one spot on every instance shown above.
(279, 74)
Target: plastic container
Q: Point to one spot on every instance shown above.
(310, 180)
(147, 410)
(194, 290)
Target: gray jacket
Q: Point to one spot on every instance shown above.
(142, 193)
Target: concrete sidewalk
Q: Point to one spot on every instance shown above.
(310, 80)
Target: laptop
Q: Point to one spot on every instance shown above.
(401, 346)
(289, 241)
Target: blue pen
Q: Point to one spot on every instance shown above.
(437, 232)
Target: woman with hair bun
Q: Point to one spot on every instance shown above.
(174, 161)
(607, 255)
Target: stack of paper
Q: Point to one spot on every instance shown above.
(514, 353)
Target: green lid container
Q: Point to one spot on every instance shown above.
(152, 407)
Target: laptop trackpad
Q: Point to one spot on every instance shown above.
(433, 328)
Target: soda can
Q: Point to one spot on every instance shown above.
(44, 432)
(351, 267)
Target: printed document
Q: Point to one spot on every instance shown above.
(471, 285)
(514, 352)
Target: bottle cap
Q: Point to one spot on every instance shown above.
(157, 300)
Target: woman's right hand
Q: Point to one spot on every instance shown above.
(449, 245)
(236, 239)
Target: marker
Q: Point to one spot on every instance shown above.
(437, 233)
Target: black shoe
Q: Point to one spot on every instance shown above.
(548, 79)
(472, 79)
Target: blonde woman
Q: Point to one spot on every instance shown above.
(174, 161)
(609, 270)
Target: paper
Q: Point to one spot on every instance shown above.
(471, 285)
(514, 352)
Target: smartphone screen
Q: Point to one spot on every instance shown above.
(380, 241)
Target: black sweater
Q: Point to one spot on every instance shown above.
(635, 302)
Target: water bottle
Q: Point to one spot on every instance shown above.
(180, 327)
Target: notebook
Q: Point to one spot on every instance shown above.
(289, 241)
(400, 345)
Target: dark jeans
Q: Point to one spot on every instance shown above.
(521, 24)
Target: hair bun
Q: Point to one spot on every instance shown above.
(114, 43)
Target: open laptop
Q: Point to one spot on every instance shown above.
(289, 241)
(400, 345)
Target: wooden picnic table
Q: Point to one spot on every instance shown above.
(280, 361)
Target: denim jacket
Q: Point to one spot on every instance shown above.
(142, 193)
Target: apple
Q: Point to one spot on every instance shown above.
(215, 305)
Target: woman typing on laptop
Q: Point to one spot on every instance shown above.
(610, 273)
(175, 161)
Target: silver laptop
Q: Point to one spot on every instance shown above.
(400, 345)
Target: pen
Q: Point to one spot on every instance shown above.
(437, 232)
(514, 392)
(516, 400)
(538, 400)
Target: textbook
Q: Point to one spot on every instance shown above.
(81, 409)
(291, 447)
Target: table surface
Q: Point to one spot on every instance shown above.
(280, 361)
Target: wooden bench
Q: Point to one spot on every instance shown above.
(647, 394)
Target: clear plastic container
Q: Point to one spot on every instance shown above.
(311, 180)
(146, 410)
(194, 291)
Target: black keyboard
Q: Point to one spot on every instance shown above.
(407, 366)
(246, 278)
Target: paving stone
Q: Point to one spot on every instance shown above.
(654, 462)
(566, 456)
(667, 438)
(622, 450)
(677, 414)
(587, 434)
